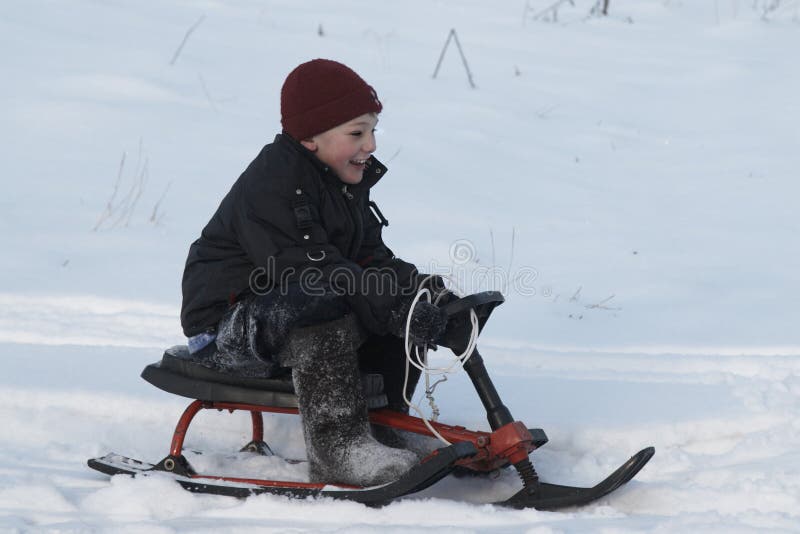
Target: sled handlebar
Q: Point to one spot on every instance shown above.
(483, 303)
(459, 324)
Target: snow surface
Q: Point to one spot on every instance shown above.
(627, 180)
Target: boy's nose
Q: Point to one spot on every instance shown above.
(370, 144)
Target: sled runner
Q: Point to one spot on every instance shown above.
(508, 444)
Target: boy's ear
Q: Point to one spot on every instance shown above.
(309, 144)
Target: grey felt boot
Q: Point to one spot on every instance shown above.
(327, 382)
(386, 357)
(420, 445)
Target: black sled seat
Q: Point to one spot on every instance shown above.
(178, 373)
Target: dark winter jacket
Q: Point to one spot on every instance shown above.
(288, 212)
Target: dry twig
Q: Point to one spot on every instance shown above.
(186, 38)
(602, 305)
(453, 36)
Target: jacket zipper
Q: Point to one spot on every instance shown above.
(354, 211)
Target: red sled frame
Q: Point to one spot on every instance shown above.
(507, 445)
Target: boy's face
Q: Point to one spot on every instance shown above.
(346, 148)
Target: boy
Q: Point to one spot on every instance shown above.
(292, 271)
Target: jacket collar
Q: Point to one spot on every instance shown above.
(374, 170)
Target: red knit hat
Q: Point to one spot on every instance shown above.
(321, 94)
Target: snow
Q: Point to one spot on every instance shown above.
(630, 188)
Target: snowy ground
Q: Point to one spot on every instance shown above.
(626, 180)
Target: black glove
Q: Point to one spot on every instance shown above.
(428, 322)
(434, 284)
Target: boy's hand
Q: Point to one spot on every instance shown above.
(428, 323)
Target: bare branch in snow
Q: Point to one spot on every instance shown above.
(156, 217)
(552, 10)
(205, 92)
(119, 211)
(453, 36)
(577, 295)
(109, 210)
(602, 305)
(396, 153)
(186, 38)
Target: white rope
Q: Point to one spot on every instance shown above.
(420, 361)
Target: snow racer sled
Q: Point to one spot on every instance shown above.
(508, 444)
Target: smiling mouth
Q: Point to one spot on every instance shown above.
(358, 162)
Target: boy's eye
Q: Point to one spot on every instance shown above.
(357, 133)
